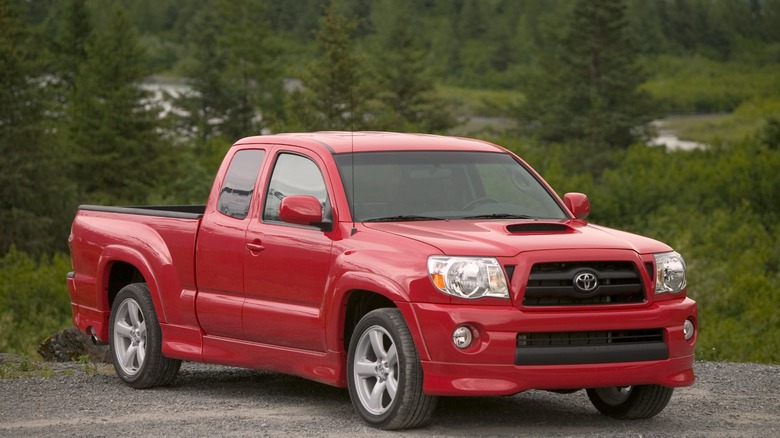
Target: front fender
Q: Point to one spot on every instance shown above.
(338, 298)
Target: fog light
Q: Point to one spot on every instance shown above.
(688, 329)
(461, 337)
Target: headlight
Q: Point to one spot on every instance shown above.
(670, 273)
(468, 277)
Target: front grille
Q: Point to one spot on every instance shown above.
(567, 348)
(553, 284)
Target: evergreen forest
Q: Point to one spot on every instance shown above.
(130, 102)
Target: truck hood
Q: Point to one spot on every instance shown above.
(508, 238)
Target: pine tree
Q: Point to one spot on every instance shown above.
(445, 55)
(112, 129)
(207, 106)
(770, 14)
(251, 72)
(400, 66)
(587, 92)
(337, 90)
(648, 25)
(472, 23)
(295, 18)
(35, 196)
(235, 76)
(69, 47)
(66, 32)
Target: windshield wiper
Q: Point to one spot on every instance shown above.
(499, 216)
(404, 218)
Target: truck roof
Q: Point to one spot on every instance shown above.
(338, 142)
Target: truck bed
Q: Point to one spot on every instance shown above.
(145, 239)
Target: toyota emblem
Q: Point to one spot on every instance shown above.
(586, 282)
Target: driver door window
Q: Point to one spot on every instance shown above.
(293, 175)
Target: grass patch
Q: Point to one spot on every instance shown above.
(701, 128)
(479, 102)
(18, 367)
(700, 85)
(91, 368)
(718, 129)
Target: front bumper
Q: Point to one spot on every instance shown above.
(490, 365)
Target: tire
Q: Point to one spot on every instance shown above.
(384, 374)
(630, 402)
(135, 339)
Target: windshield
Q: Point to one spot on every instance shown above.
(431, 185)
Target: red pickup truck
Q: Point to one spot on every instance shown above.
(401, 266)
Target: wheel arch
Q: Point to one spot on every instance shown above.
(358, 293)
(359, 303)
(119, 266)
(120, 275)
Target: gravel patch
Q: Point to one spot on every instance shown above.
(85, 400)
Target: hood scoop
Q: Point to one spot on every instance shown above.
(538, 227)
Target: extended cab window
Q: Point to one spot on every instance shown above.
(236, 193)
(293, 175)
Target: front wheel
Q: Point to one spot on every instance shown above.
(630, 402)
(135, 338)
(384, 374)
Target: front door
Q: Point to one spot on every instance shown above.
(286, 266)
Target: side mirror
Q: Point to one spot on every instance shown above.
(301, 210)
(578, 204)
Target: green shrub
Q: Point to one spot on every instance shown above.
(34, 301)
(719, 209)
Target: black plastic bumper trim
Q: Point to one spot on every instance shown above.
(584, 354)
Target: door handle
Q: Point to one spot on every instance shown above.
(255, 247)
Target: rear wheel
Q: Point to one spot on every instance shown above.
(384, 373)
(136, 340)
(630, 402)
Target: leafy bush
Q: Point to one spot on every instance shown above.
(719, 209)
(34, 301)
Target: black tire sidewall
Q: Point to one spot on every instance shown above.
(644, 401)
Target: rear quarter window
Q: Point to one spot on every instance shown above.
(235, 196)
